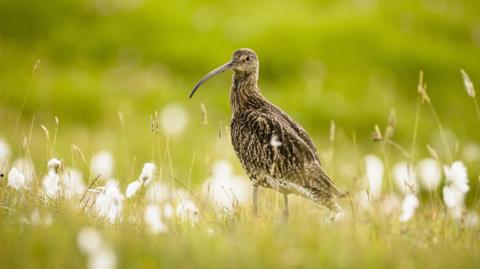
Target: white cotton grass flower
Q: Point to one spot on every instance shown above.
(54, 165)
(456, 187)
(51, 181)
(409, 206)
(429, 174)
(16, 179)
(89, 240)
(4, 154)
(187, 211)
(148, 173)
(72, 183)
(374, 172)
(153, 219)
(456, 176)
(109, 203)
(51, 185)
(224, 189)
(405, 178)
(174, 119)
(468, 84)
(25, 166)
(454, 199)
(133, 188)
(102, 164)
(99, 254)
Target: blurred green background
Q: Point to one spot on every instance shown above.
(348, 61)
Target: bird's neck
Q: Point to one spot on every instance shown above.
(244, 92)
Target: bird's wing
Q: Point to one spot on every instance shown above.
(318, 179)
(266, 142)
(300, 131)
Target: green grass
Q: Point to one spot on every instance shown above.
(365, 241)
(105, 67)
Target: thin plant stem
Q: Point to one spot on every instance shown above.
(397, 146)
(387, 166)
(442, 132)
(477, 109)
(415, 132)
(27, 94)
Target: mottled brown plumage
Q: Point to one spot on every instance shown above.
(275, 151)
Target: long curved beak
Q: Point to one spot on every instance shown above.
(213, 73)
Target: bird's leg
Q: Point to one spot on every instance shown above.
(255, 200)
(285, 210)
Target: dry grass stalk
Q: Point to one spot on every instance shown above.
(204, 114)
(422, 88)
(333, 128)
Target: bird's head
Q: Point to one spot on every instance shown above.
(244, 61)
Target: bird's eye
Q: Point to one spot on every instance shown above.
(247, 59)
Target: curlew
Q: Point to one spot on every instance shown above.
(273, 149)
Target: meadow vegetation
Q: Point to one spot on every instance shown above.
(106, 163)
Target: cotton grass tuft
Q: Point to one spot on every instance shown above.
(374, 173)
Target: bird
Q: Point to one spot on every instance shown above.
(274, 150)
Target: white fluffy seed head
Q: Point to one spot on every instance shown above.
(174, 119)
(109, 204)
(148, 173)
(429, 173)
(72, 183)
(89, 240)
(153, 219)
(456, 176)
(453, 197)
(54, 165)
(50, 184)
(133, 188)
(224, 189)
(25, 166)
(409, 206)
(405, 178)
(4, 153)
(16, 179)
(374, 170)
(102, 164)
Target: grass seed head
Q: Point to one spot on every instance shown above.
(468, 84)
(422, 89)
